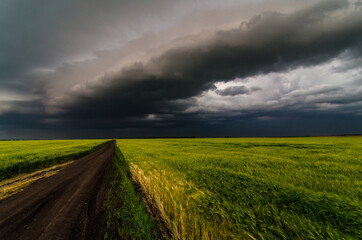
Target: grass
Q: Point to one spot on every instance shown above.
(17, 157)
(124, 216)
(252, 188)
(16, 184)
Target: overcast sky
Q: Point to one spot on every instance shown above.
(117, 68)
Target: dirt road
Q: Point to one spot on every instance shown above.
(64, 206)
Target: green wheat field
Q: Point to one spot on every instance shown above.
(18, 157)
(218, 188)
(252, 188)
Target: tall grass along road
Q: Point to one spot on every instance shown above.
(66, 205)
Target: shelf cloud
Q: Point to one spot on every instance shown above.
(174, 82)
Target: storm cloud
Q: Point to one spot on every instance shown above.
(237, 90)
(270, 42)
(170, 84)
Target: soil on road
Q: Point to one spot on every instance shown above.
(66, 205)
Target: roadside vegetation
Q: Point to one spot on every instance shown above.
(17, 157)
(124, 215)
(251, 188)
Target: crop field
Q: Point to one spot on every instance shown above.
(18, 157)
(251, 188)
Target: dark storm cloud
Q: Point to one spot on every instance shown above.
(40, 34)
(237, 90)
(270, 42)
(345, 99)
(34, 106)
(38, 37)
(60, 38)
